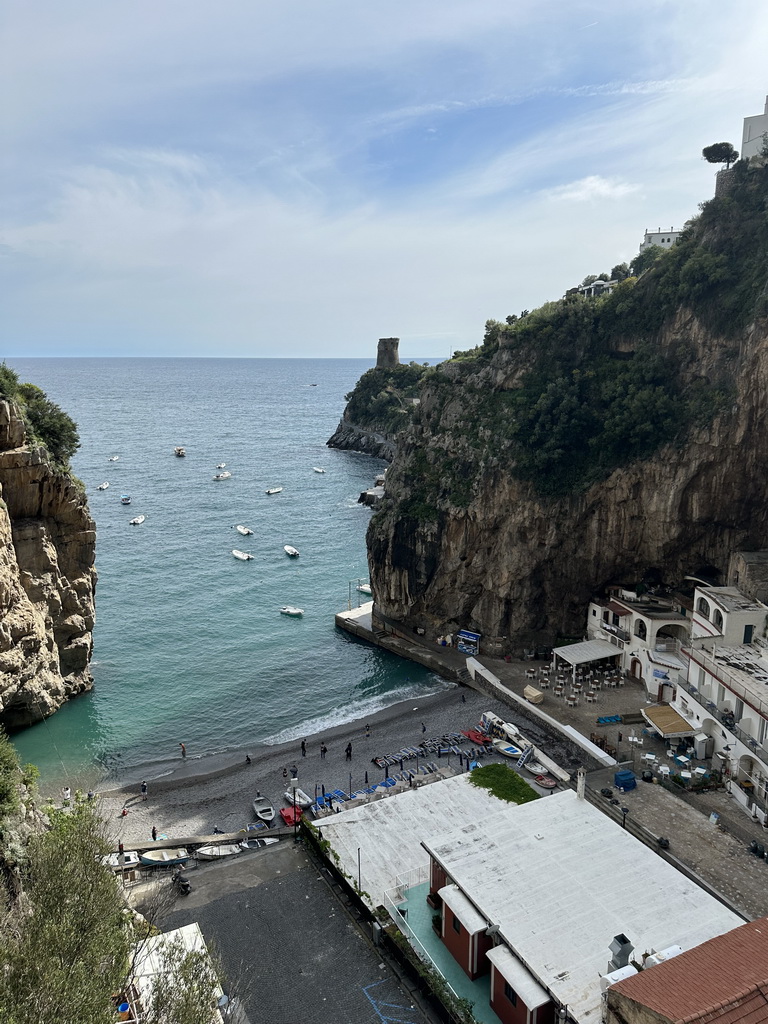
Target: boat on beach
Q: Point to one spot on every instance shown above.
(545, 781)
(222, 476)
(273, 490)
(289, 609)
(263, 809)
(506, 748)
(291, 551)
(536, 768)
(180, 452)
(242, 555)
(301, 798)
(104, 486)
(257, 844)
(158, 858)
(291, 815)
(121, 861)
(125, 499)
(215, 851)
(137, 521)
(476, 736)
(244, 531)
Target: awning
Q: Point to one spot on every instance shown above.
(617, 609)
(589, 650)
(665, 720)
(517, 977)
(466, 912)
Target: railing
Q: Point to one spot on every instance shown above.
(727, 720)
(668, 646)
(391, 896)
(616, 631)
(407, 880)
(723, 675)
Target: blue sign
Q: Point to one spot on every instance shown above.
(660, 673)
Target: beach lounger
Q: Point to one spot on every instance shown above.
(432, 766)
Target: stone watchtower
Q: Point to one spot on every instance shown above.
(387, 354)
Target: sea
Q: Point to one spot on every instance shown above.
(189, 644)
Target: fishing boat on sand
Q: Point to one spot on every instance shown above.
(137, 521)
(121, 861)
(536, 768)
(263, 809)
(301, 798)
(242, 555)
(244, 531)
(158, 858)
(289, 609)
(291, 551)
(104, 486)
(257, 844)
(545, 781)
(506, 748)
(218, 850)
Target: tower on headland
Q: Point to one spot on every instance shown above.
(387, 355)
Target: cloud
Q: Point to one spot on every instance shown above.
(590, 188)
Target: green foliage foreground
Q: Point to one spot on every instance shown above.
(45, 421)
(502, 782)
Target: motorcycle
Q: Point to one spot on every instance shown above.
(181, 883)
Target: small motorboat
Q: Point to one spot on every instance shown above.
(257, 844)
(318, 469)
(159, 858)
(244, 531)
(222, 476)
(365, 588)
(137, 521)
(113, 458)
(242, 555)
(289, 609)
(180, 452)
(291, 551)
(476, 737)
(121, 861)
(221, 465)
(104, 486)
(125, 499)
(291, 815)
(301, 798)
(218, 850)
(506, 748)
(536, 768)
(545, 781)
(263, 809)
(273, 490)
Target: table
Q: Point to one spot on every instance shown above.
(685, 775)
(699, 771)
(664, 769)
(591, 698)
(544, 684)
(649, 757)
(683, 760)
(572, 700)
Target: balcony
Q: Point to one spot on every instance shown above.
(727, 720)
(615, 631)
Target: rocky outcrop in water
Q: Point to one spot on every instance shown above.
(47, 579)
(353, 438)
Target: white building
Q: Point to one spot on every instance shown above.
(665, 239)
(752, 134)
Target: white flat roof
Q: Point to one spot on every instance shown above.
(521, 980)
(561, 880)
(589, 650)
(454, 898)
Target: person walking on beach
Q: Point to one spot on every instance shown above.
(183, 750)
(285, 772)
(154, 834)
(423, 728)
(367, 731)
(348, 751)
(323, 751)
(144, 790)
(303, 748)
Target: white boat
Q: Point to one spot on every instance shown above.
(242, 555)
(536, 768)
(221, 465)
(365, 588)
(263, 809)
(222, 476)
(180, 452)
(113, 458)
(121, 861)
(288, 609)
(274, 490)
(302, 799)
(257, 844)
(318, 469)
(291, 551)
(244, 531)
(218, 850)
(506, 748)
(104, 486)
(125, 499)
(155, 857)
(137, 521)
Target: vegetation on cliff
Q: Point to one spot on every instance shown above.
(45, 421)
(384, 397)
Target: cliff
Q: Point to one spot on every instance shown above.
(47, 577)
(593, 441)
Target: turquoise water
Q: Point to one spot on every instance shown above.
(189, 644)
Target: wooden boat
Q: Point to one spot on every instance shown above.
(158, 858)
(289, 609)
(244, 531)
(242, 555)
(301, 798)
(545, 781)
(218, 850)
(291, 551)
(536, 768)
(506, 748)
(137, 521)
(263, 809)
(180, 452)
(104, 486)
(257, 844)
(222, 476)
(291, 815)
(318, 469)
(125, 499)
(120, 862)
(273, 490)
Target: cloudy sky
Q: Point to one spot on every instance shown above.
(297, 177)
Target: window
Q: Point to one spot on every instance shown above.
(748, 631)
(641, 630)
(702, 606)
(594, 611)
(510, 993)
(717, 618)
(456, 924)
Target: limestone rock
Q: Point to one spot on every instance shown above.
(47, 580)
(350, 437)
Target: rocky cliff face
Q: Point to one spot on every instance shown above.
(484, 546)
(47, 580)
(351, 437)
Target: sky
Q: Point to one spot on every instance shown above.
(299, 178)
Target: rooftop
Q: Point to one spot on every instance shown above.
(731, 599)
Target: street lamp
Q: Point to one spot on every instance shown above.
(624, 813)
(294, 787)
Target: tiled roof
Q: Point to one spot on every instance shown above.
(722, 981)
